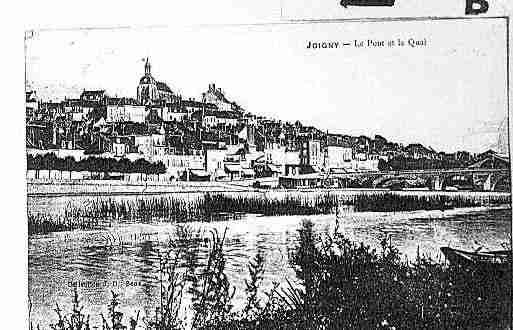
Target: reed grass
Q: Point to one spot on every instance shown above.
(44, 223)
(211, 206)
(216, 206)
(390, 202)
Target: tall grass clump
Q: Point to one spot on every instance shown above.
(393, 202)
(77, 320)
(44, 224)
(261, 204)
(207, 284)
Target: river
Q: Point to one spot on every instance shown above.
(124, 257)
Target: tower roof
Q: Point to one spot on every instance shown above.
(147, 66)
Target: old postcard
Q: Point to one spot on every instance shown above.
(321, 175)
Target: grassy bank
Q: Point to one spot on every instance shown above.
(343, 285)
(215, 206)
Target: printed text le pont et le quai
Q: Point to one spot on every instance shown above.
(368, 43)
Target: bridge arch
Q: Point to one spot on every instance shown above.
(501, 182)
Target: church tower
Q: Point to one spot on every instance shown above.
(151, 91)
(147, 67)
(147, 88)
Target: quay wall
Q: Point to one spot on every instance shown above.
(116, 187)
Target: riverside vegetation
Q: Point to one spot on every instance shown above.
(103, 212)
(343, 285)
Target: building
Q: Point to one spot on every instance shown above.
(274, 153)
(151, 145)
(227, 118)
(78, 109)
(50, 111)
(38, 135)
(418, 151)
(97, 96)
(277, 157)
(216, 96)
(301, 181)
(207, 118)
(123, 145)
(337, 157)
(177, 166)
(151, 91)
(369, 164)
(191, 106)
(292, 158)
(310, 153)
(337, 153)
(91, 104)
(125, 110)
(31, 105)
(174, 112)
(215, 162)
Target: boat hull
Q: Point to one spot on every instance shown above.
(492, 261)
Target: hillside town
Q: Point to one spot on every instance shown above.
(169, 137)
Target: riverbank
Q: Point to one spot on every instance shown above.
(342, 285)
(116, 187)
(56, 188)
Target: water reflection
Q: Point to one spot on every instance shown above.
(125, 257)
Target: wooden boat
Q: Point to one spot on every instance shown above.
(489, 260)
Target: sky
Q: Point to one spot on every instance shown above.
(450, 94)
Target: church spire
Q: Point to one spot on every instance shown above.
(147, 67)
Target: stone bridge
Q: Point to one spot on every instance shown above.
(481, 178)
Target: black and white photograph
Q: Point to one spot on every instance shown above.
(341, 174)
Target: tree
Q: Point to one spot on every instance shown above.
(383, 165)
(37, 164)
(140, 166)
(49, 162)
(59, 165)
(102, 165)
(125, 165)
(30, 162)
(70, 164)
(92, 164)
(109, 165)
(147, 169)
(160, 168)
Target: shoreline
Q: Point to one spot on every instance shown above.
(113, 187)
(97, 188)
